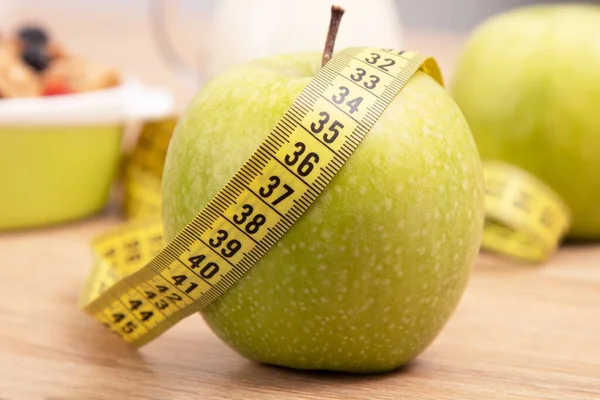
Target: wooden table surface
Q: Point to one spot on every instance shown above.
(519, 333)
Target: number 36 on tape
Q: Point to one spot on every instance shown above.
(139, 293)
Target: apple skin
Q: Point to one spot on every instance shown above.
(528, 83)
(369, 275)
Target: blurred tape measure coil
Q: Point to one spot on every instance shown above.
(525, 219)
(139, 294)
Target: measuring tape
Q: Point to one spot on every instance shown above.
(143, 169)
(139, 288)
(525, 219)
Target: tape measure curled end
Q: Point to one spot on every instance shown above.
(525, 219)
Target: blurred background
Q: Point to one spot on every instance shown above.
(123, 33)
(459, 15)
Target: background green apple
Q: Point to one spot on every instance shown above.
(366, 279)
(529, 85)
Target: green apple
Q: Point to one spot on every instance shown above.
(369, 275)
(528, 83)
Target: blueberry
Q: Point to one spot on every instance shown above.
(33, 35)
(36, 57)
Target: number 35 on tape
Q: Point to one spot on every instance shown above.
(139, 290)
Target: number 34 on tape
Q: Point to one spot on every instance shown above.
(141, 294)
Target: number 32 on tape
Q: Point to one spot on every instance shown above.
(276, 185)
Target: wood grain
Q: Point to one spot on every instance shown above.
(520, 332)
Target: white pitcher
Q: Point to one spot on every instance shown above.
(247, 29)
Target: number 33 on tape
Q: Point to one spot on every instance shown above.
(140, 296)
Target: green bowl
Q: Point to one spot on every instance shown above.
(55, 174)
(59, 155)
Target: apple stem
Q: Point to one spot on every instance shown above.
(334, 25)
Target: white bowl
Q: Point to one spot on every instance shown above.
(129, 101)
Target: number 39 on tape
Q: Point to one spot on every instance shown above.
(139, 295)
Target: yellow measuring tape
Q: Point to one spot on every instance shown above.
(143, 169)
(525, 219)
(139, 288)
(139, 294)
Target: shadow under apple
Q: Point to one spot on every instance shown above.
(263, 376)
